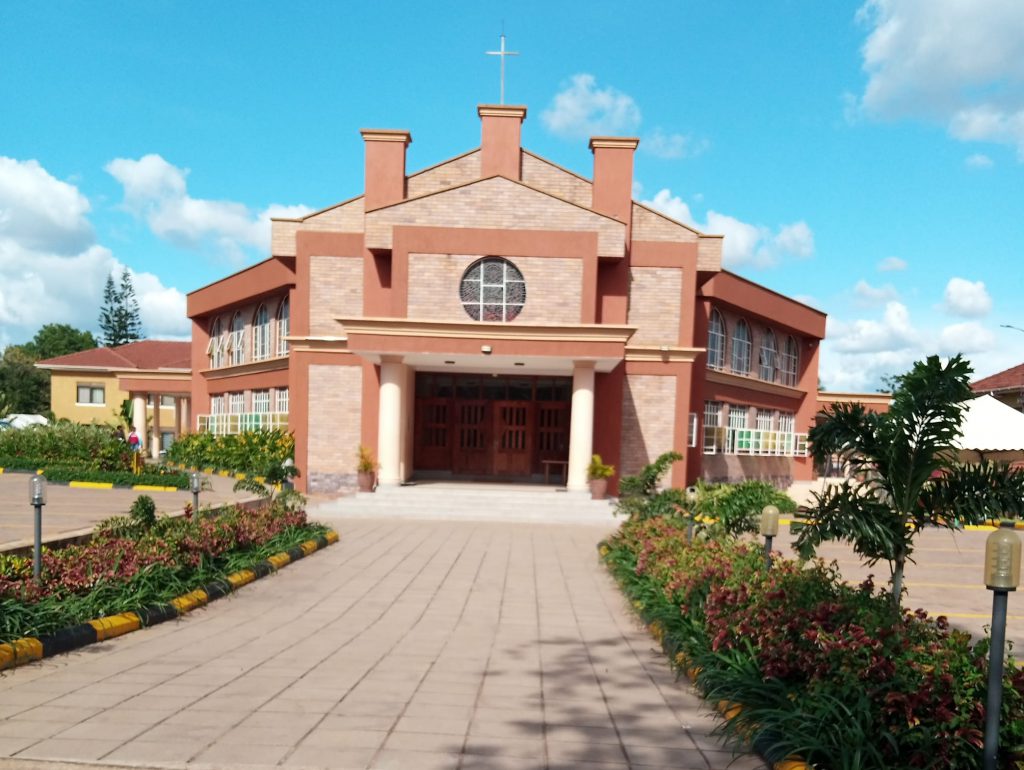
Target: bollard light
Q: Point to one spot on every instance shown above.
(1002, 575)
(769, 528)
(286, 464)
(691, 498)
(37, 496)
(196, 483)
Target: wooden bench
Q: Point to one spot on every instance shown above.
(563, 466)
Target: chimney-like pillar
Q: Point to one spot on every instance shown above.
(613, 175)
(385, 166)
(500, 143)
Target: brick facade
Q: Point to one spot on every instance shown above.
(498, 204)
(457, 171)
(554, 287)
(655, 295)
(648, 420)
(650, 226)
(335, 291)
(548, 177)
(335, 398)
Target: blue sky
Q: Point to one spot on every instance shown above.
(864, 157)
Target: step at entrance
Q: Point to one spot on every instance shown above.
(471, 502)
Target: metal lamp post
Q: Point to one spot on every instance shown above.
(287, 483)
(1002, 575)
(769, 528)
(196, 484)
(37, 496)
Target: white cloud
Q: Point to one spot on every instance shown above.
(978, 160)
(581, 110)
(857, 355)
(892, 264)
(51, 268)
(957, 63)
(744, 244)
(969, 299)
(893, 332)
(672, 146)
(157, 191)
(968, 337)
(868, 295)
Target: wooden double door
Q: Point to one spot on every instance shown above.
(480, 425)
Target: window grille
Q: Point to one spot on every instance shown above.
(766, 359)
(261, 334)
(741, 348)
(261, 401)
(714, 434)
(237, 343)
(282, 400)
(764, 419)
(789, 362)
(236, 403)
(716, 341)
(283, 326)
(492, 289)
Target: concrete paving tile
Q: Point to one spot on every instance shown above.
(432, 725)
(524, 748)
(78, 749)
(421, 709)
(511, 728)
(333, 758)
(572, 751)
(342, 722)
(125, 715)
(234, 754)
(726, 760)
(435, 742)
(188, 733)
(582, 733)
(24, 728)
(156, 752)
(445, 698)
(481, 762)
(48, 713)
(298, 706)
(10, 745)
(325, 737)
(656, 755)
(88, 730)
(283, 734)
(421, 760)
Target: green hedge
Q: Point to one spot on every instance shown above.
(91, 447)
(821, 669)
(64, 473)
(254, 453)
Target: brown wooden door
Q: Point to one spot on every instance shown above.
(433, 439)
(513, 438)
(471, 452)
(552, 432)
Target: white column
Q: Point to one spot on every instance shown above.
(581, 425)
(177, 417)
(139, 417)
(389, 424)
(154, 446)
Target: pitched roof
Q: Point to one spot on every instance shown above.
(145, 354)
(1008, 379)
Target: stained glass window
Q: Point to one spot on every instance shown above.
(492, 289)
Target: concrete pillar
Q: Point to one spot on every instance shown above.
(581, 426)
(389, 423)
(154, 446)
(139, 416)
(177, 417)
(186, 424)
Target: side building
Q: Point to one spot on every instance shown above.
(91, 385)
(498, 316)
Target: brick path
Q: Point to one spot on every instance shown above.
(408, 645)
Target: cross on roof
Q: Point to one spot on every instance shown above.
(502, 53)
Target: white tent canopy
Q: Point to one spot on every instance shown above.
(991, 430)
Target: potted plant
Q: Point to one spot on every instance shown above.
(599, 473)
(366, 468)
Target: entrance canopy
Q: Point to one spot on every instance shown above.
(991, 430)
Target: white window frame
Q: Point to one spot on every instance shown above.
(714, 433)
(92, 391)
(218, 405)
(716, 341)
(763, 419)
(237, 337)
(261, 401)
(261, 334)
(741, 345)
(768, 357)
(283, 326)
(282, 400)
(236, 403)
(789, 362)
(787, 422)
(691, 433)
(216, 349)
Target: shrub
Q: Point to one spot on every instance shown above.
(159, 477)
(639, 496)
(736, 508)
(598, 469)
(89, 447)
(828, 671)
(143, 512)
(255, 453)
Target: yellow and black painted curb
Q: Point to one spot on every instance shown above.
(103, 484)
(223, 473)
(23, 651)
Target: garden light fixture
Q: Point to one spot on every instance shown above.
(196, 484)
(691, 498)
(1002, 575)
(37, 496)
(769, 528)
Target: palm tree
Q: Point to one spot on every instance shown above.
(906, 475)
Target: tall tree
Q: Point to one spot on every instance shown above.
(119, 316)
(54, 340)
(906, 473)
(24, 389)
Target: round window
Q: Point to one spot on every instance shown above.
(492, 289)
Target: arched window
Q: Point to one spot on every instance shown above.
(492, 289)
(215, 350)
(741, 348)
(283, 325)
(766, 358)
(789, 362)
(716, 341)
(261, 334)
(237, 340)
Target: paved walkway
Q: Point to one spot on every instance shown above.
(408, 645)
(69, 509)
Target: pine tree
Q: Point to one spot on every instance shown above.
(119, 315)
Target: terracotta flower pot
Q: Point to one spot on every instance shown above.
(365, 480)
(598, 488)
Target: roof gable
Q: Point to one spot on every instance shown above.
(1008, 379)
(144, 354)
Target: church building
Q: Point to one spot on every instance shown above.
(497, 316)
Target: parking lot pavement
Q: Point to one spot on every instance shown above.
(410, 644)
(947, 579)
(69, 509)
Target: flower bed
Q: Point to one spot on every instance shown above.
(258, 452)
(129, 564)
(827, 671)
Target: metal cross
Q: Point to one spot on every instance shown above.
(502, 53)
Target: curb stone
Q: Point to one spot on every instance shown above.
(23, 651)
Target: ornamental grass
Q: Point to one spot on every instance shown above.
(130, 563)
(834, 673)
